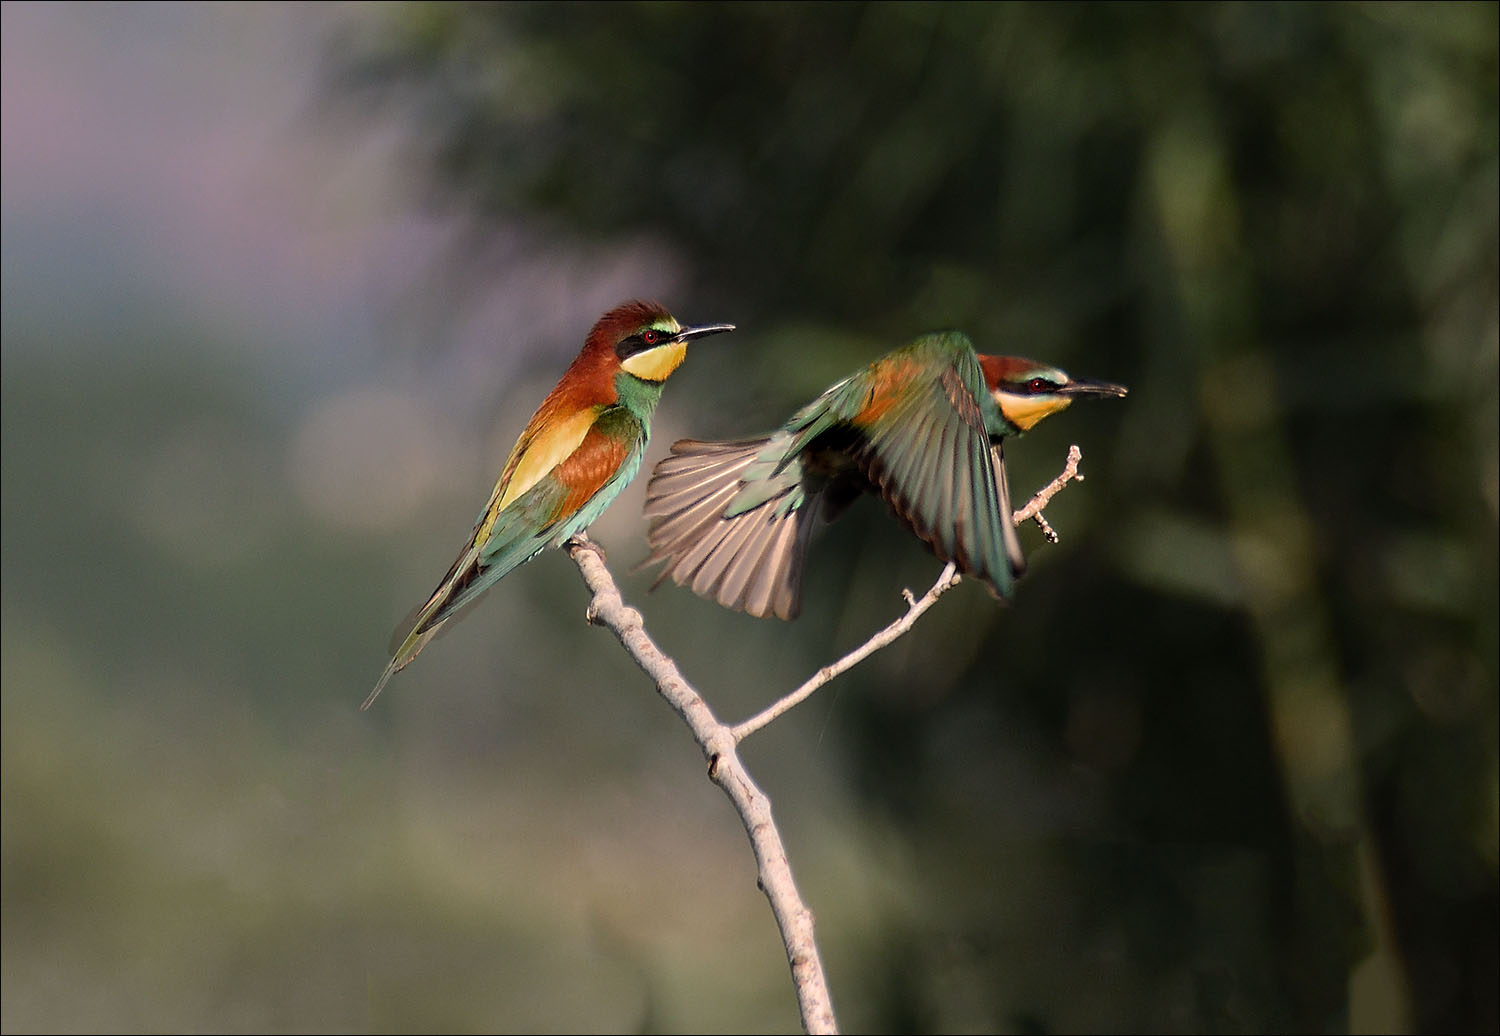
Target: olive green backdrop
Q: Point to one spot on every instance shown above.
(282, 287)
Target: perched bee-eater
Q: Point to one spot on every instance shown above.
(922, 426)
(582, 446)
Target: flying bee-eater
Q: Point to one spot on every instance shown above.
(923, 427)
(582, 446)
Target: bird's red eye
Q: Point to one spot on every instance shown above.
(1039, 385)
(649, 337)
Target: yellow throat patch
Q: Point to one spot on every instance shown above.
(656, 363)
(1026, 411)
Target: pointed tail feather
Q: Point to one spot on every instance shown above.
(410, 648)
(430, 618)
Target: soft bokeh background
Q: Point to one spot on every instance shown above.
(282, 283)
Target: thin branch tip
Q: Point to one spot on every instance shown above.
(946, 580)
(719, 741)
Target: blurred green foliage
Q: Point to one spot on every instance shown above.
(1270, 636)
(1228, 764)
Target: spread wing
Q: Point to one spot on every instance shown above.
(732, 519)
(745, 554)
(929, 456)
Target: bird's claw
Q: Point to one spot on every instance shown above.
(581, 541)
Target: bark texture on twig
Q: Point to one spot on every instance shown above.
(793, 918)
(914, 608)
(719, 741)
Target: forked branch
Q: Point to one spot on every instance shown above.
(914, 608)
(719, 741)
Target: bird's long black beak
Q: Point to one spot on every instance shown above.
(687, 334)
(1085, 387)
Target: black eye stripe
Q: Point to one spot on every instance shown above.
(1034, 387)
(638, 342)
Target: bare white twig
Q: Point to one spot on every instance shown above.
(793, 918)
(1033, 508)
(914, 608)
(719, 742)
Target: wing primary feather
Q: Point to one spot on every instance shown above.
(754, 554)
(709, 565)
(679, 523)
(688, 474)
(1015, 558)
(945, 475)
(760, 589)
(737, 557)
